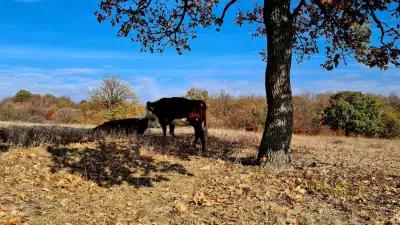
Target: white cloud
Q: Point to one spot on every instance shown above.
(234, 87)
(152, 84)
(374, 86)
(149, 88)
(57, 81)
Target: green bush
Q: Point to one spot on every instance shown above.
(23, 95)
(354, 113)
(390, 123)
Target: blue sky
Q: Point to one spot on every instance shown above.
(57, 46)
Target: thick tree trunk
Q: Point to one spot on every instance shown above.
(275, 144)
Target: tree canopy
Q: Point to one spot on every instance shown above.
(112, 92)
(366, 29)
(23, 95)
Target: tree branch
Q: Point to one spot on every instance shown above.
(298, 8)
(185, 8)
(378, 23)
(220, 20)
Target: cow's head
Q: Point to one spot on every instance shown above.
(150, 110)
(142, 125)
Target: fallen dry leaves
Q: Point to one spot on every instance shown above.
(149, 181)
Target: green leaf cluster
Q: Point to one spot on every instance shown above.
(23, 95)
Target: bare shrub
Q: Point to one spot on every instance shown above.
(197, 93)
(228, 111)
(306, 116)
(394, 101)
(7, 111)
(30, 136)
(49, 100)
(31, 113)
(308, 111)
(67, 115)
(64, 101)
(112, 92)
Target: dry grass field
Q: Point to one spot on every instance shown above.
(152, 180)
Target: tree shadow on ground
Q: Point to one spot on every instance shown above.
(109, 164)
(218, 148)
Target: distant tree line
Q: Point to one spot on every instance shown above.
(343, 113)
(112, 99)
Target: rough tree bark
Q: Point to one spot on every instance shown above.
(274, 149)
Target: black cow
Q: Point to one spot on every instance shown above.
(125, 126)
(168, 109)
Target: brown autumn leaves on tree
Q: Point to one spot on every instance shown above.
(344, 26)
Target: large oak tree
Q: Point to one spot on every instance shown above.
(345, 27)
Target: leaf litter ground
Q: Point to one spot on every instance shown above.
(152, 180)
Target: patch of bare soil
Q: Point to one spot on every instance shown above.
(152, 180)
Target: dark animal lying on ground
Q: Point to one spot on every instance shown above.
(168, 109)
(125, 126)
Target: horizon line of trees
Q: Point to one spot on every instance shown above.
(341, 113)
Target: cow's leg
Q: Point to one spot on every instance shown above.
(202, 137)
(199, 133)
(196, 134)
(171, 129)
(163, 122)
(164, 128)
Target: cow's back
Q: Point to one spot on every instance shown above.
(175, 107)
